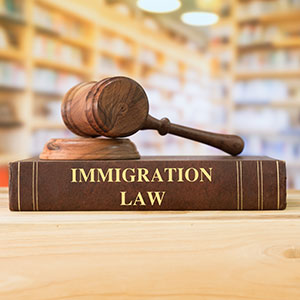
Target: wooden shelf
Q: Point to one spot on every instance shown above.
(114, 55)
(46, 124)
(75, 42)
(10, 125)
(61, 67)
(45, 30)
(257, 132)
(15, 19)
(267, 74)
(78, 42)
(220, 48)
(151, 67)
(11, 54)
(255, 46)
(286, 104)
(268, 132)
(277, 104)
(285, 43)
(288, 16)
(6, 88)
(48, 94)
(159, 69)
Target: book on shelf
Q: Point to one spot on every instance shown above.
(12, 75)
(150, 183)
(12, 9)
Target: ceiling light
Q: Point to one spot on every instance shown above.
(158, 6)
(199, 18)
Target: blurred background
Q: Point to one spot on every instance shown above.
(230, 66)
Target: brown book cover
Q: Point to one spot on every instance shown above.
(149, 183)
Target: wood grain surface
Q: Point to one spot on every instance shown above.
(89, 148)
(112, 107)
(167, 255)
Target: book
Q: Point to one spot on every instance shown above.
(150, 183)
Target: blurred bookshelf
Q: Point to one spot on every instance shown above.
(266, 92)
(46, 48)
(245, 80)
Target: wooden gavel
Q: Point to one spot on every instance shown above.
(118, 107)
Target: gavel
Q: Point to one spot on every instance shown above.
(118, 107)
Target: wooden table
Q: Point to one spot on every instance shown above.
(173, 255)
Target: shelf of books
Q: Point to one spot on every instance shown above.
(220, 55)
(13, 83)
(45, 49)
(267, 72)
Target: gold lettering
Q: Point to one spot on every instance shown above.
(208, 176)
(157, 197)
(124, 175)
(139, 199)
(74, 177)
(90, 174)
(170, 173)
(123, 199)
(157, 175)
(187, 174)
(142, 175)
(180, 171)
(117, 174)
(104, 176)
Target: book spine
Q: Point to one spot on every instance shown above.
(147, 185)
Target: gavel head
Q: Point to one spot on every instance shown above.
(112, 107)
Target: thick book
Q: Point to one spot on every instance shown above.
(149, 183)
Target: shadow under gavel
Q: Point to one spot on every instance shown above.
(118, 107)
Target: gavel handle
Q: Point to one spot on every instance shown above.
(231, 144)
